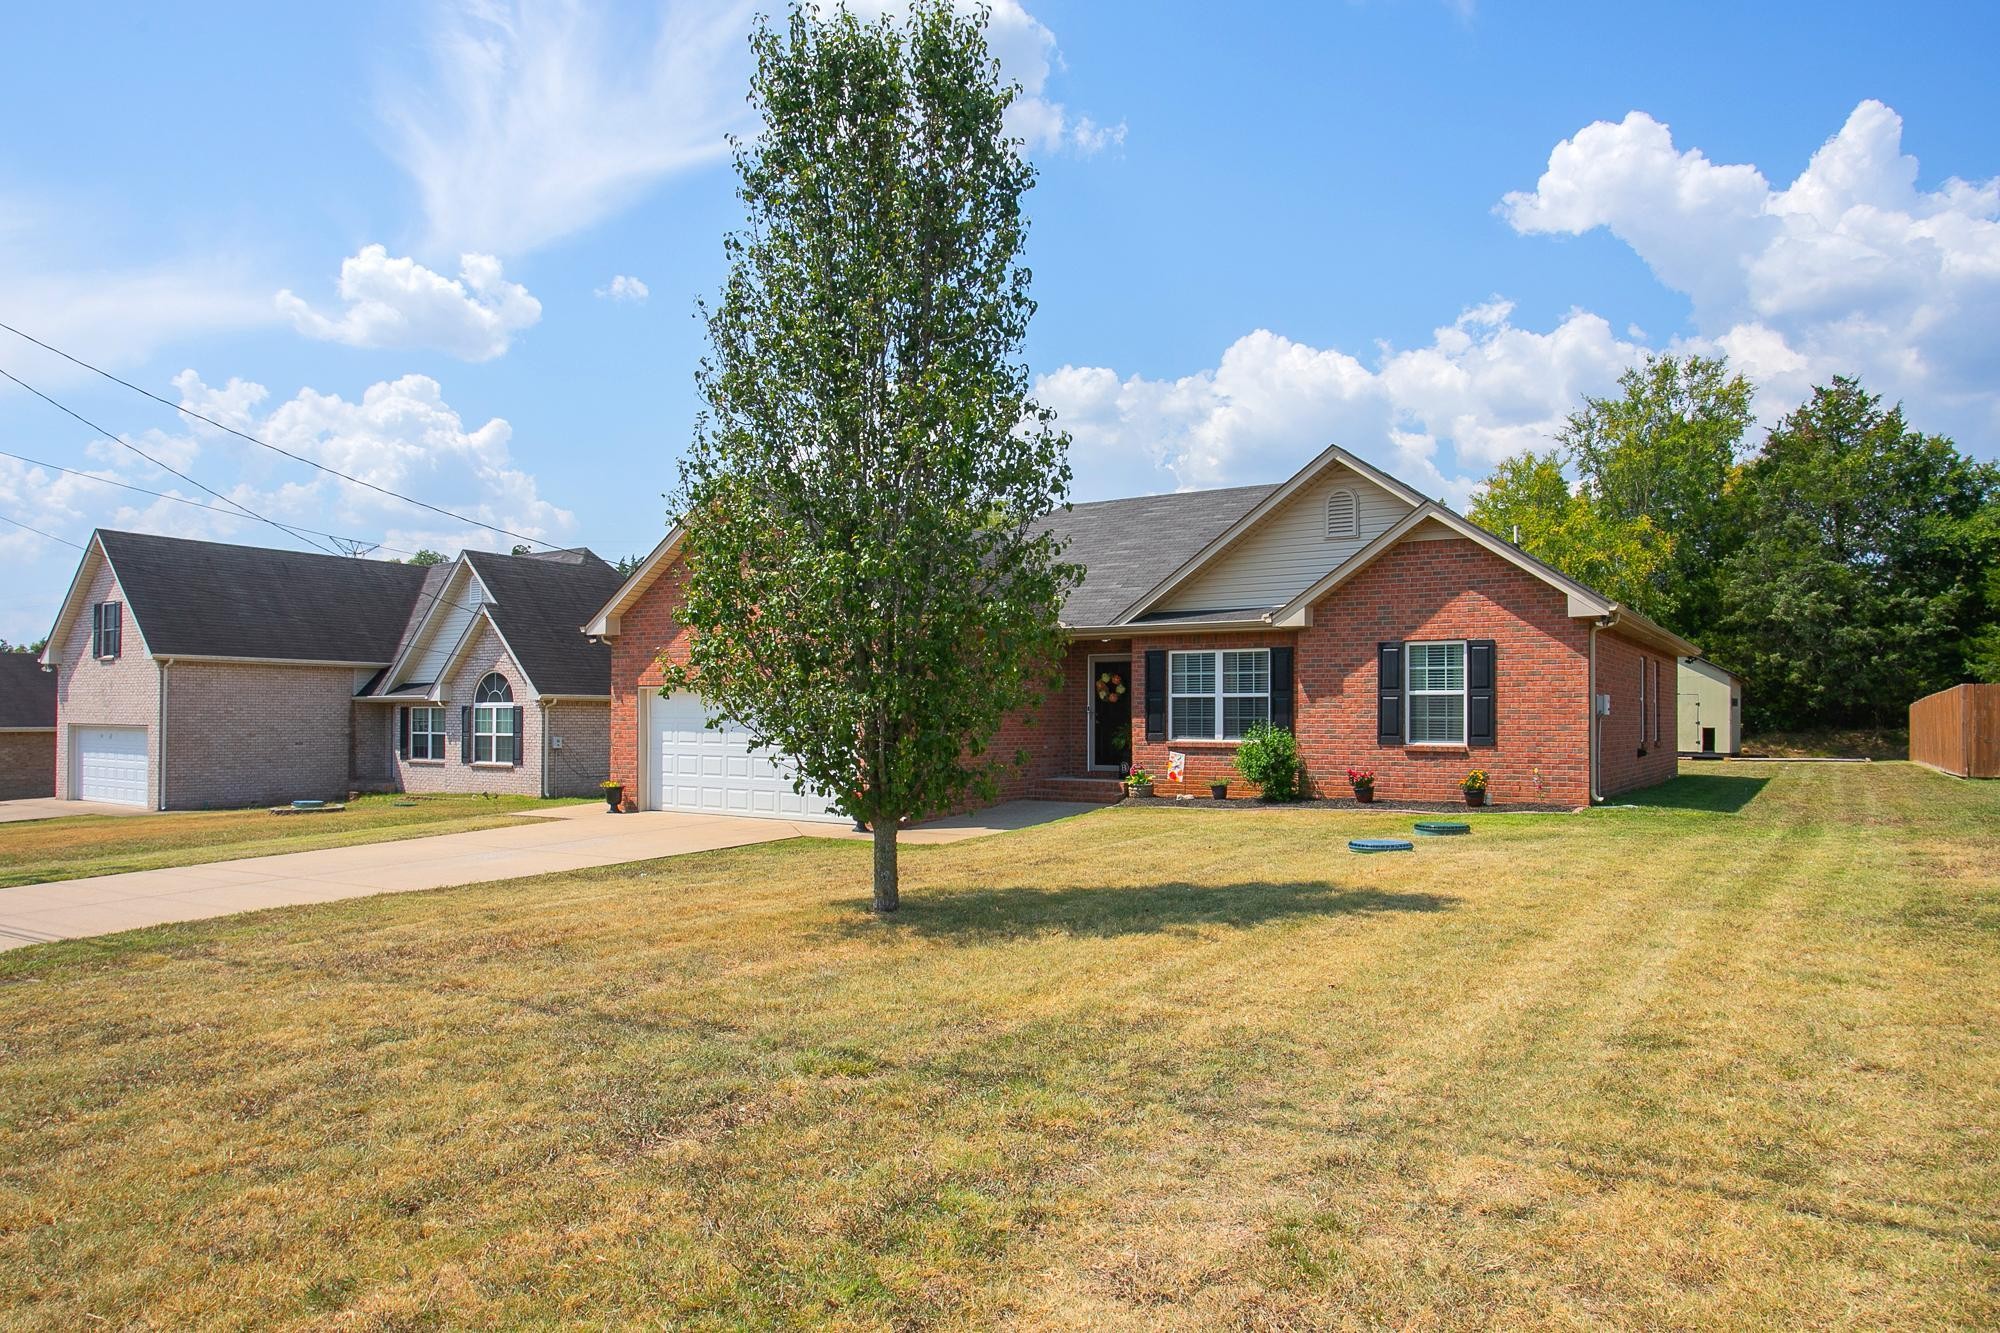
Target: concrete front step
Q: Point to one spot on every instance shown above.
(1101, 791)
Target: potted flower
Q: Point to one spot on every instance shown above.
(1139, 782)
(1363, 782)
(1218, 791)
(1474, 787)
(614, 794)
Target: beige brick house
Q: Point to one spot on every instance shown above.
(27, 728)
(194, 675)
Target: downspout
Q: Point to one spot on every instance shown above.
(1596, 720)
(161, 732)
(547, 750)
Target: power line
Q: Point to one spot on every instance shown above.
(360, 542)
(262, 444)
(292, 532)
(39, 533)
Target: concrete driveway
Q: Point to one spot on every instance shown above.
(48, 807)
(574, 837)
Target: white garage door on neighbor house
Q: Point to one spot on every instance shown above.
(699, 770)
(110, 764)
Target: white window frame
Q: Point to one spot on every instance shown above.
(486, 731)
(427, 722)
(1411, 693)
(1219, 693)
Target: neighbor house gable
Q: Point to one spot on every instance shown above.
(442, 624)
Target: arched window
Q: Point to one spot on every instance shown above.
(1340, 519)
(493, 715)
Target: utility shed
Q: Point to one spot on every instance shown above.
(1711, 708)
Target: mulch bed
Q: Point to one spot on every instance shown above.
(1349, 803)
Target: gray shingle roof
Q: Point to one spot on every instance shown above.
(1127, 546)
(27, 693)
(539, 604)
(210, 599)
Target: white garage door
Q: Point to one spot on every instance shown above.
(716, 772)
(110, 764)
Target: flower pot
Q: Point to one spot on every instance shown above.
(1365, 795)
(1475, 798)
(614, 797)
(1218, 791)
(1141, 789)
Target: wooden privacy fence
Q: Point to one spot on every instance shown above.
(1958, 731)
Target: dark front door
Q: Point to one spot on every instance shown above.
(1111, 712)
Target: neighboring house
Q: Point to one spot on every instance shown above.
(1385, 630)
(197, 675)
(1711, 708)
(494, 655)
(27, 727)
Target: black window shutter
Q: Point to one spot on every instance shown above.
(465, 733)
(1156, 694)
(97, 629)
(1480, 715)
(403, 741)
(520, 735)
(116, 617)
(1281, 688)
(1389, 693)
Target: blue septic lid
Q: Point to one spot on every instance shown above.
(1380, 845)
(1442, 827)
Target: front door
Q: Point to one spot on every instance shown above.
(1110, 712)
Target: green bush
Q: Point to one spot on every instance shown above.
(1269, 757)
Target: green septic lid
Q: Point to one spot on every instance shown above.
(1441, 827)
(1380, 845)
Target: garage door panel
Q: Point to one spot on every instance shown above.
(715, 771)
(110, 764)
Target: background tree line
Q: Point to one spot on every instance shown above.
(1844, 565)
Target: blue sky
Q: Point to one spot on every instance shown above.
(388, 236)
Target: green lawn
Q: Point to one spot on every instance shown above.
(41, 850)
(1730, 1059)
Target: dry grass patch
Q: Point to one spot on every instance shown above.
(75, 847)
(1727, 1059)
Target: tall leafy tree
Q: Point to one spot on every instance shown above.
(1529, 501)
(868, 590)
(1663, 451)
(1863, 576)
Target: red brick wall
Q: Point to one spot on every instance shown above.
(1451, 589)
(645, 631)
(1207, 761)
(1056, 734)
(1629, 729)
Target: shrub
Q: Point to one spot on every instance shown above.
(1269, 757)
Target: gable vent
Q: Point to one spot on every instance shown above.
(1340, 521)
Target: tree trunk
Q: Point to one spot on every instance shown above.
(886, 900)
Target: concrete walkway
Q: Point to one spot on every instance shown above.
(575, 837)
(49, 807)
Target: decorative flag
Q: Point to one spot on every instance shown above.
(1176, 765)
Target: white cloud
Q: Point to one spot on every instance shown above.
(400, 434)
(400, 303)
(1436, 416)
(624, 288)
(1849, 269)
(1028, 55)
(541, 117)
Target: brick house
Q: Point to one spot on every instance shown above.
(27, 728)
(198, 675)
(1385, 630)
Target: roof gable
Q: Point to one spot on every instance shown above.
(212, 599)
(537, 606)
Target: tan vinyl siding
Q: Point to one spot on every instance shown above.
(463, 594)
(1709, 697)
(1282, 555)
